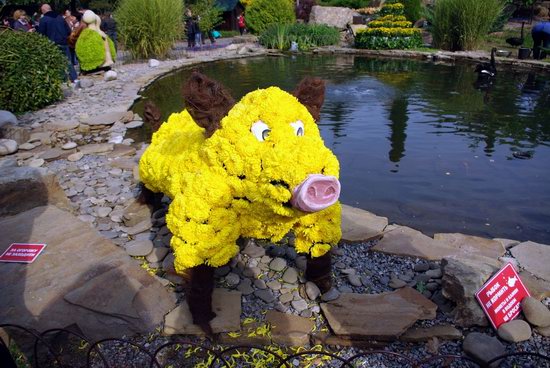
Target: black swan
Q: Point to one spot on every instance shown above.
(514, 41)
(487, 70)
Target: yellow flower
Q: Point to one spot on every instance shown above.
(233, 184)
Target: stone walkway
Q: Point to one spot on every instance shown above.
(383, 273)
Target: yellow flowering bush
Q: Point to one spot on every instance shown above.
(391, 32)
(390, 24)
(392, 18)
(232, 184)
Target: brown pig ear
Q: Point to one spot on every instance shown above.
(152, 115)
(311, 93)
(207, 101)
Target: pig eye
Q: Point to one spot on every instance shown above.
(298, 128)
(260, 130)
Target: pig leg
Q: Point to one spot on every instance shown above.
(199, 296)
(318, 271)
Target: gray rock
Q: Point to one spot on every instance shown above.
(260, 284)
(86, 83)
(278, 264)
(138, 228)
(276, 250)
(534, 257)
(274, 285)
(434, 274)
(157, 254)
(286, 298)
(355, 280)
(7, 146)
(421, 267)
(265, 295)
(462, 278)
(153, 63)
(14, 132)
(299, 305)
(69, 145)
(332, 294)
(291, 253)
(252, 250)
(139, 248)
(301, 262)
(36, 162)
(232, 279)
(515, 331)
(348, 271)
(110, 75)
(482, 348)
(290, 275)
(75, 156)
(7, 117)
(103, 211)
(397, 284)
(245, 287)
(252, 272)
(332, 16)
(26, 146)
(535, 312)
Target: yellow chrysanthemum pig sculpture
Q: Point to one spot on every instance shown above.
(257, 168)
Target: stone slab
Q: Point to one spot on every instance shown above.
(359, 225)
(476, 245)
(80, 278)
(287, 329)
(23, 188)
(534, 258)
(95, 148)
(329, 339)
(538, 288)
(382, 316)
(227, 306)
(405, 241)
(108, 118)
(442, 332)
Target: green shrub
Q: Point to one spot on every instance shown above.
(388, 38)
(210, 14)
(32, 70)
(354, 4)
(462, 24)
(261, 13)
(412, 8)
(90, 50)
(229, 33)
(305, 35)
(149, 28)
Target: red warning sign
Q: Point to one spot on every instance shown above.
(22, 252)
(501, 296)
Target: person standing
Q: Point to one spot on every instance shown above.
(241, 23)
(541, 37)
(21, 23)
(190, 28)
(54, 27)
(108, 25)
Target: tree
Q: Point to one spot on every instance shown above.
(210, 15)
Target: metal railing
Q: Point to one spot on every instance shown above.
(95, 354)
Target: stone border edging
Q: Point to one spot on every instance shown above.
(439, 56)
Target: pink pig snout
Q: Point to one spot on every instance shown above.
(316, 193)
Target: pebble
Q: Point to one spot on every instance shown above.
(278, 264)
(252, 272)
(157, 255)
(260, 284)
(75, 156)
(434, 274)
(103, 211)
(276, 250)
(299, 305)
(290, 275)
(301, 263)
(232, 279)
(26, 146)
(397, 284)
(332, 294)
(482, 348)
(138, 248)
(245, 287)
(253, 251)
(222, 271)
(535, 312)
(421, 267)
(348, 271)
(515, 331)
(312, 290)
(36, 162)
(274, 285)
(355, 280)
(266, 295)
(69, 145)
(7, 146)
(286, 298)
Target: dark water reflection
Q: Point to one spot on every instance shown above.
(416, 141)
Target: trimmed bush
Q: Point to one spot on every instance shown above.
(392, 9)
(149, 28)
(412, 8)
(262, 13)
(90, 50)
(388, 38)
(306, 35)
(462, 24)
(354, 4)
(32, 70)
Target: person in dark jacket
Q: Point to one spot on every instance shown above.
(108, 25)
(54, 27)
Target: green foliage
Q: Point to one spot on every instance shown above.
(262, 13)
(149, 28)
(354, 4)
(210, 15)
(228, 33)
(392, 9)
(462, 24)
(281, 36)
(91, 51)
(32, 70)
(413, 9)
(381, 40)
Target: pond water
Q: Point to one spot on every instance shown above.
(417, 142)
